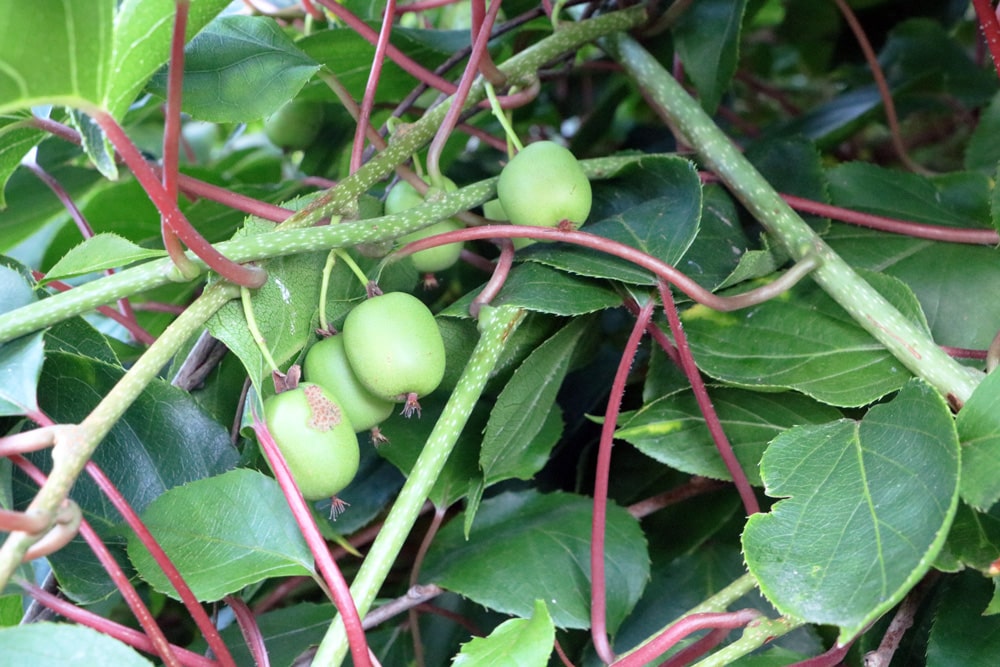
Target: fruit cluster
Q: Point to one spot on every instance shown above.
(390, 351)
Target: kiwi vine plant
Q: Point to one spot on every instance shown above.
(723, 395)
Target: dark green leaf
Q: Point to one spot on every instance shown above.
(978, 426)
(61, 644)
(519, 539)
(796, 164)
(867, 508)
(707, 35)
(974, 540)
(77, 337)
(672, 429)
(239, 68)
(248, 536)
(720, 244)
(804, 341)
(102, 251)
(519, 642)
(961, 634)
(653, 205)
(983, 151)
(511, 447)
(543, 289)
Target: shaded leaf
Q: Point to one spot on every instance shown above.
(974, 540)
(672, 430)
(867, 506)
(61, 644)
(20, 359)
(101, 251)
(249, 535)
(796, 164)
(961, 634)
(720, 244)
(707, 35)
(978, 424)
(519, 539)
(239, 68)
(519, 642)
(802, 340)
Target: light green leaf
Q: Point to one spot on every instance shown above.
(239, 68)
(978, 424)
(802, 340)
(867, 507)
(519, 642)
(249, 535)
(16, 139)
(20, 359)
(519, 539)
(100, 252)
(61, 644)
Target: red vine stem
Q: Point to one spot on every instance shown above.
(598, 583)
(702, 646)
(122, 633)
(327, 567)
(682, 628)
(991, 28)
(368, 101)
(248, 276)
(250, 630)
(172, 131)
(690, 368)
(201, 619)
(160, 645)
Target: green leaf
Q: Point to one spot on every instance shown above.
(974, 540)
(542, 289)
(511, 446)
(707, 37)
(672, 430)
(961, 634)
(16, 140)
(238, 69)
(796, 164)
(983, 151)
(99, 252)
(520, 539)
(250, 535)
(20, 359)
(61, 644)
(519, 642)
(802, 340)
(653, 205)
(867, 508)
(165, 438)
(77, 337)
(720, 244)
(978, 424)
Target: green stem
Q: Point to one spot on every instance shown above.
(74, 446)
(904, 339)
(496, 325)
(87, 297)
(324, 289)
(353, 266)
(501, 116)
(756, 635)
(255, 333)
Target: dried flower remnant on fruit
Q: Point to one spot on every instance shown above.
(324, 414)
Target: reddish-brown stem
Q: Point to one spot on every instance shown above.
(657, 267)
(160, 645)
(881, 84)
(657, 333)
(701, 647)
(193, 187)
(464, 86)
(831, 658)
(368, 101)
(690, 368)
(250, 630)
(602, 473)
(563, 658)
(327, 567)
(26, 523)
(124, 634)
(486, 66)
(991, 29)
(198, 614)
(500, 272)
(423, 5)
(963, 352)
(172, 128)
(418, 560)
(696, 487)
(248, 276)
(405, 62)
(682, 628)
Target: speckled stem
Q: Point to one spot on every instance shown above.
(495, 325)
(75, 445)
(906, 341)
(109, 289)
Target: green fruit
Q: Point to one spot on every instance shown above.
(404, 196)
(493, 210)
(316, 439)
(326, 365)
(395, 347)
(543, 185)
(295, 125)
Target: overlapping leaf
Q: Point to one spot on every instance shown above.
(519, 642)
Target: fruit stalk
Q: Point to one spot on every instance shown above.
(905, 340)
(495, 325)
